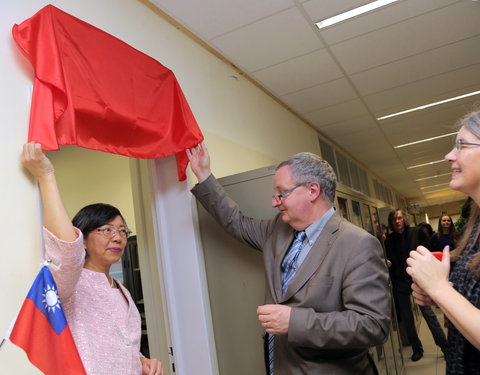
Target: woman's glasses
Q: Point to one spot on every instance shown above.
(110, 233)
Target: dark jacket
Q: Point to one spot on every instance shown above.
(398, 247)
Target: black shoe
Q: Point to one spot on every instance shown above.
(416, 356)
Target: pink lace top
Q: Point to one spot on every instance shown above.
(106, 328)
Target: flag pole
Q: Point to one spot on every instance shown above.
(7, 334)
(44, 262)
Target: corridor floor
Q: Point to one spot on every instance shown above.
(432, 362)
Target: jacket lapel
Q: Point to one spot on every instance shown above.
(315, 257)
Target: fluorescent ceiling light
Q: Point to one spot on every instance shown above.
(437, 175)
(428, 187)
(429, 105)
(434, 191)
(425, 140)
(424, 164)
(353, 13)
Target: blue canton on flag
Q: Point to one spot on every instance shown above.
(45, 296)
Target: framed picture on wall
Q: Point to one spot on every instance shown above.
(377, 230)
(343, 208)
(367, 219)
(357, 215)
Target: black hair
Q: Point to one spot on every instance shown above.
(427, 227)
(391, 219)
(94, 216)
(384, 227)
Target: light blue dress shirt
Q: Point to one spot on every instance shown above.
(313, 231)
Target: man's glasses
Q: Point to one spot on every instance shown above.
(283, 194)
(110, 233)
(459, 144)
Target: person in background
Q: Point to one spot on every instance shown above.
(427, 229)
(400, 242)
(460, 298)
(102, 316)
(445, 236)
(384, 231)
(377, 230)
(327, 293)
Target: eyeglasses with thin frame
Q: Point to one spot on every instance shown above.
(459, 144)
(283, 194)
(110, 233)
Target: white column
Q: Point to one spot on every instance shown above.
(168, 218)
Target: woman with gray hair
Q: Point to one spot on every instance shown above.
(459, 296)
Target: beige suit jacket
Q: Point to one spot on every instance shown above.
(340, 295)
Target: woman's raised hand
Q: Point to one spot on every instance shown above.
(55, 217)
(35, 161)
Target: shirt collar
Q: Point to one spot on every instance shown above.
(314, 229)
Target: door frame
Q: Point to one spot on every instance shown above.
(174, 283)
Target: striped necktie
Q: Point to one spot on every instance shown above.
(289, 268)
(289, 263)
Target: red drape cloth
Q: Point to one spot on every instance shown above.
(95, 91)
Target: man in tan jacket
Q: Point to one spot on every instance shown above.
(328, 302)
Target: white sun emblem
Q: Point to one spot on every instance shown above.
(50, 298)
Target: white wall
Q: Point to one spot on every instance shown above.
(19, 221)
(89, 176)
(244, 128)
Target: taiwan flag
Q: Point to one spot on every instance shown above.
(41, 330)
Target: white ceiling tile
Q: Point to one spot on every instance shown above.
(428, 188)
(349, 126)
(431, 179)
(320, 96)
(371, 21)
(419, 125)
(418, 67)
(298, 73)
(429, 171)
(434, 181)
(210, 18)
(447, 197)
(378, 154)
(429, 90)
(397, 57)
(336, 113)
(404, 184)
(357, 139)
(390, 168)
(424, 153)
(269, 41)
(402, 39)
